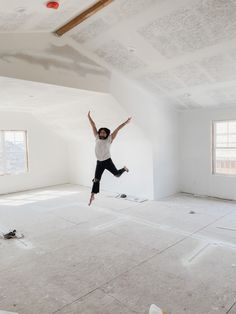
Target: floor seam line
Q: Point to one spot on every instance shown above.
(232, 306)
(140, 244)
(212, 222)
(105, 283)
(120, 302)
(76, 300)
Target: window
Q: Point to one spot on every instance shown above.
(224, 147)
(13, 152)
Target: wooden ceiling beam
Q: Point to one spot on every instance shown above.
(82, 16)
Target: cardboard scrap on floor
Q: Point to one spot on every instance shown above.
(131, 198)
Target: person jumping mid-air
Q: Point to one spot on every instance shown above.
(104, 138)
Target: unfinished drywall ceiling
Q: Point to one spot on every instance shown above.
(34, 16)
(42, 57)
(183, 52)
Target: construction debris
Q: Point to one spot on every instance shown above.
(224, 228)
(12, 235)
(156, 310)
(131, 198)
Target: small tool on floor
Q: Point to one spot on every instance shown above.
(12, 235)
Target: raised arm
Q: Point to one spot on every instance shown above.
(93, 125)
(115, 132)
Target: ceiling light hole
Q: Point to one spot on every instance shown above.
(20, 10)
(132, 49)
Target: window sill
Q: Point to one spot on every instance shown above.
(13, 174)
(224, 175)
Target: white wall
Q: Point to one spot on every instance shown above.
(160, 124)
(195, 159)
(148, 146)
(47, 155)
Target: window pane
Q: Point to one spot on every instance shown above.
(226, 161)
(232, 127)
(221, 127)
(15, 162)
(13, 152)
(1, 140)
(221, 140)
(1, 164)
(9, 136)
(232, 140)
(225, 147)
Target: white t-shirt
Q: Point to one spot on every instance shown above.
(102, 148)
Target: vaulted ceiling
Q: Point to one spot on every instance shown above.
(34, 16)
(182, 51)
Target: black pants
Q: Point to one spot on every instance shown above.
(101, 166)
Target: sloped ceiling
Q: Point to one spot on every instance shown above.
(182, 51)
(63, 110)
(34, 16)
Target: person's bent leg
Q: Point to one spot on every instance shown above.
(112, 168)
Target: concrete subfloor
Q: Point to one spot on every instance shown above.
(116, 257)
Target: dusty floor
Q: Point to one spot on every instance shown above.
(117, 257)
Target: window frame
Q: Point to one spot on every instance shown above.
(213, 149)
(26, 153)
